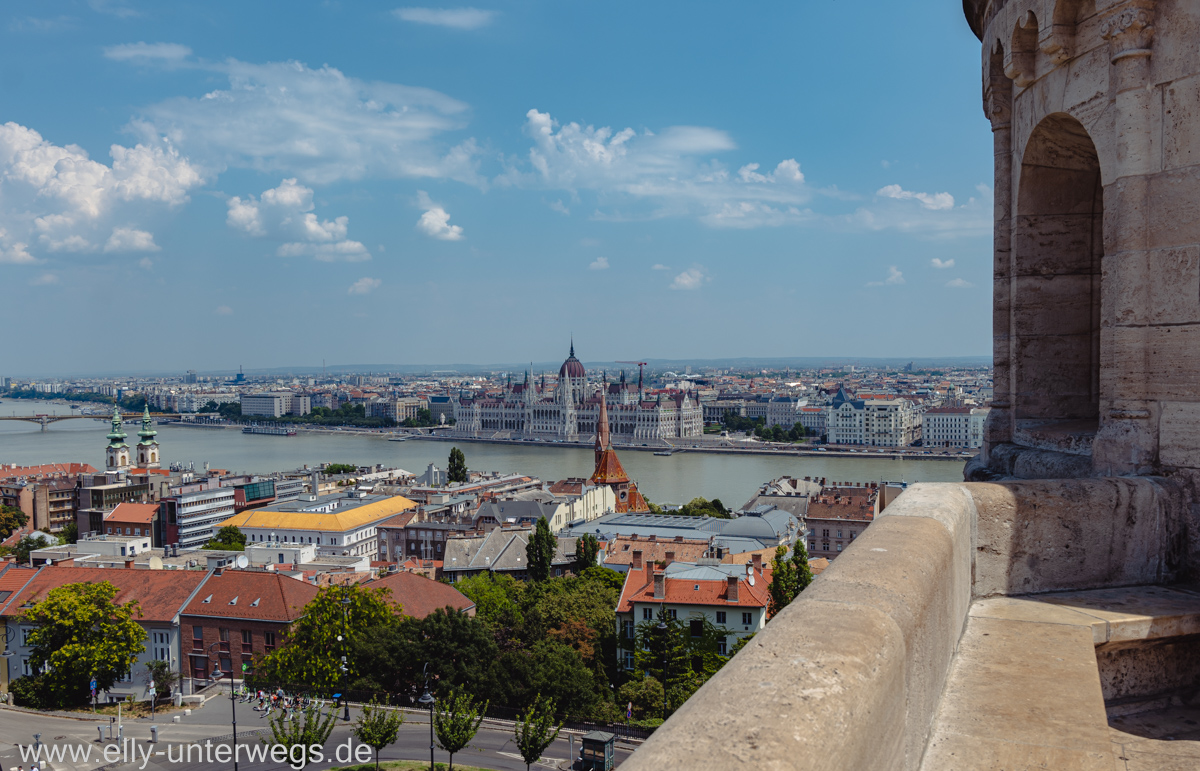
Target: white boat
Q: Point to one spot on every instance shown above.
(400, 438)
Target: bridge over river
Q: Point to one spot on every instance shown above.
(45, 420)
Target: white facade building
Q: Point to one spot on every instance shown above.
(953, 426)
(873, 422)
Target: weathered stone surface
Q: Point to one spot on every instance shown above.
(1179, 440)
(1056, 535)
(1023, 710)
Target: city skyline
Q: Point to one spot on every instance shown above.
(472, 184)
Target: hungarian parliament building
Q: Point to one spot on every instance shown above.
(571, 408)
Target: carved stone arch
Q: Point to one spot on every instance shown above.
(997, 89)
(1021, 61)
(1057, 39)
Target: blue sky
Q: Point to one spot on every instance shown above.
(203, 185)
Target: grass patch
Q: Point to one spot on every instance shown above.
(131, 711)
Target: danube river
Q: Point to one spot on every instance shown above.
(674, 479)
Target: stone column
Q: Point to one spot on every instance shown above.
(1127, 441)
(997, 106)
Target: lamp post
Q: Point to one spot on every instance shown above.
(428, 700)
(342, 637)
(216, 675)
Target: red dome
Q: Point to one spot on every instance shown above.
(572, 367)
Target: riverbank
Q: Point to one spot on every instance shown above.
(681, 446)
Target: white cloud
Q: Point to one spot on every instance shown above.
(67, 202)
(223, 310)
(130, 240)
(932, 201)
(14, 253)
(559, 207)
(157, 53)
(959, 283)
(317, 125)
(940, 264)
(600, 263)
(692, 278)
(435, 222)
(286, 213)
(671, 171)
(45, 279)
(146, 263)
(454, 18)
(908, 214)
(365, 286)
(895, 277)
(660, 266)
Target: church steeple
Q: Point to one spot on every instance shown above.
(147, 448)
(116, 455)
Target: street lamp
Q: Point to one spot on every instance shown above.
(662, 632)
(216, 675)
(342, 638)
(428, 700)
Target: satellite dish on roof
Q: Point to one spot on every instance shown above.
(752, 579)
(750, 570)
(242, 562)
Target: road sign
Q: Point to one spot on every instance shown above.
(93, 685)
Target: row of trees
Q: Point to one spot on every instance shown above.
(696, 507)
(777, 433)
(346, 415)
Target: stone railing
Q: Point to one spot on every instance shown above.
(850, 675)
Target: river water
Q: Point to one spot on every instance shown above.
(674, 479)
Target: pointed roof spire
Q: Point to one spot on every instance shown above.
(602, 439)
(147, 433)
(116, 437)
(572, 345)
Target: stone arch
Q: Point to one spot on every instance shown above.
(1058, 38)
(1058, 246)
(1023, 46)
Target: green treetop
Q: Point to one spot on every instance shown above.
(539, 552)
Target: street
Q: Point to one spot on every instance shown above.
(493, 746)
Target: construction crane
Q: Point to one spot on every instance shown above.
(639, 364)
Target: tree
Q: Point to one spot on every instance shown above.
(789, 576)
(312, 654)
(228, 538)
(783, 582)
(27, 545)
(643, 697)
(301, 736)
(210, 406)
(456, 469)
(587, 548)
(339, 468)
(535, 731)
(159, 673)
(69, 533)
(539, 552)
(11, 520)
(457, 721)
(80, 634)
(377, 727)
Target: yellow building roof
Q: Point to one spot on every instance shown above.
(338, 520)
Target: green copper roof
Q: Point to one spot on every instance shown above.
(116, 437)
(147, 433)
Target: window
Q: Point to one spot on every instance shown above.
(825, 546)
(721, 648)
(647, 614)
(720, 617)
(629, 660)
(824, 533)
(697, 627)
(247, 638)
(747, 618)
(269, 640)
(839, 534)
(223, 634)
(671, 614)
(812, 545)
(851, 535)
(628, 627)
(197, 633)
(839, 546)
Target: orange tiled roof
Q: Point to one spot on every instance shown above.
(45, 469)
(133, 512)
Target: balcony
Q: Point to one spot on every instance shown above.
(1036, 624)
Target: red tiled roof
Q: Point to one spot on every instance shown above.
(12, 578)
(400, 520)
(418, 596)
(45, 469)
(620, 550)
(639, 587)
(139, 513)
(257, 596)
(160, 593)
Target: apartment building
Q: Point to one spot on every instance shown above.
(953, 426)
(275, 405)
(195, 511)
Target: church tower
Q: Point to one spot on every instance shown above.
(147, 448)
(117, 453)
